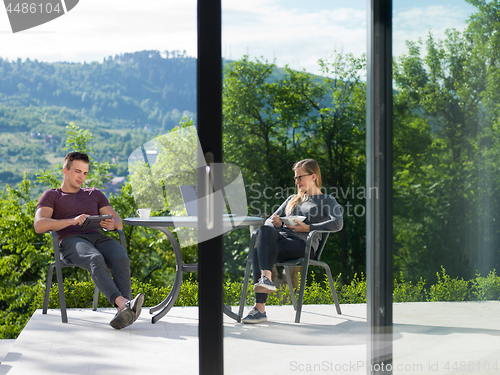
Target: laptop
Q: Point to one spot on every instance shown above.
(190, 198)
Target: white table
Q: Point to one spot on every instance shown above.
(162, 223)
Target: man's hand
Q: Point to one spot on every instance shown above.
(300, 227)
(79, 219)
(108, 224)
(44, 222)
(276, 221)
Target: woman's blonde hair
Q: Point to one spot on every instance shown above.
(311, 166)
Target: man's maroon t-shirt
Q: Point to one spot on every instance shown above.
(70, 205)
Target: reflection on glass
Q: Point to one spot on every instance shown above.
(446, 200)
(294, 88)
(163, 175)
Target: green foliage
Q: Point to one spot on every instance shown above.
(407, 292)
(156, 185)
(486, 288)
(115, 100)
(79, 294)
(355, 291)
(21, 302)
(78, 139)
(143, 85)
(317, 293)
(448, 289)
(446, 152)
(271, 121)
(24, 256)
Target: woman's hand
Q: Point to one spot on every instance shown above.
(276, 221)
(300, 227)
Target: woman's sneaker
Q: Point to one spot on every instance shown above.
(264, 285)
(255, 316)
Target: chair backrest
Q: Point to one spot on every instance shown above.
(321, 246)
(55, 245)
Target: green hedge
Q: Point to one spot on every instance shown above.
(80, 295)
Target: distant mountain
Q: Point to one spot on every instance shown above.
(143, 86)
(123, 101)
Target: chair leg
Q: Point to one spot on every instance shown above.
(290, 287)
(332, 287)
(243, 297)
(48, 286)
(62, 300)
(96, 298)
(303, 279)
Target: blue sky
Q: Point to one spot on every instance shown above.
(294, 32)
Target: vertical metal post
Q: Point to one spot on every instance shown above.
(209, 108)
(379, 187)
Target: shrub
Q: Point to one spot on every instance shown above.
(320, 293)
(407, 292)
(232, 293)
(355, 292)
(19, 312)
(79, 294)
(448, 289)
(486, 288)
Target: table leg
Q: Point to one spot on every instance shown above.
(227, 310)
(169, 301)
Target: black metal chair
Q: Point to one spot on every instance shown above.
(59, 264)
(301, 262)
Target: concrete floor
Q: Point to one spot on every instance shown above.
(429, 338)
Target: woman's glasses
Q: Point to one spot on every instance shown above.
(298, 178)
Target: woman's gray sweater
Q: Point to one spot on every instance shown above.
(322, 212)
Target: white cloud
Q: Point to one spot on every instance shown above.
(95, 29)
(416, 23)
(291, 36)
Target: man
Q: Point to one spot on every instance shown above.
(64, 210)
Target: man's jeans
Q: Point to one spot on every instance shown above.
(97, 254)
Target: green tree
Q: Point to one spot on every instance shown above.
(482, 35)
(334, 135)
(255, 132)
(272, 118)
(445, 181)
(24, 256)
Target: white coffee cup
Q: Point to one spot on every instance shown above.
(144, 213)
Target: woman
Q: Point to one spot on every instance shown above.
(277, 242)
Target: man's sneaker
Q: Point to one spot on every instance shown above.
(123, 318)
(136, 305)
(255, 316)
(264, 286)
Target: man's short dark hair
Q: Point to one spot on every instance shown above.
(68, 160)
